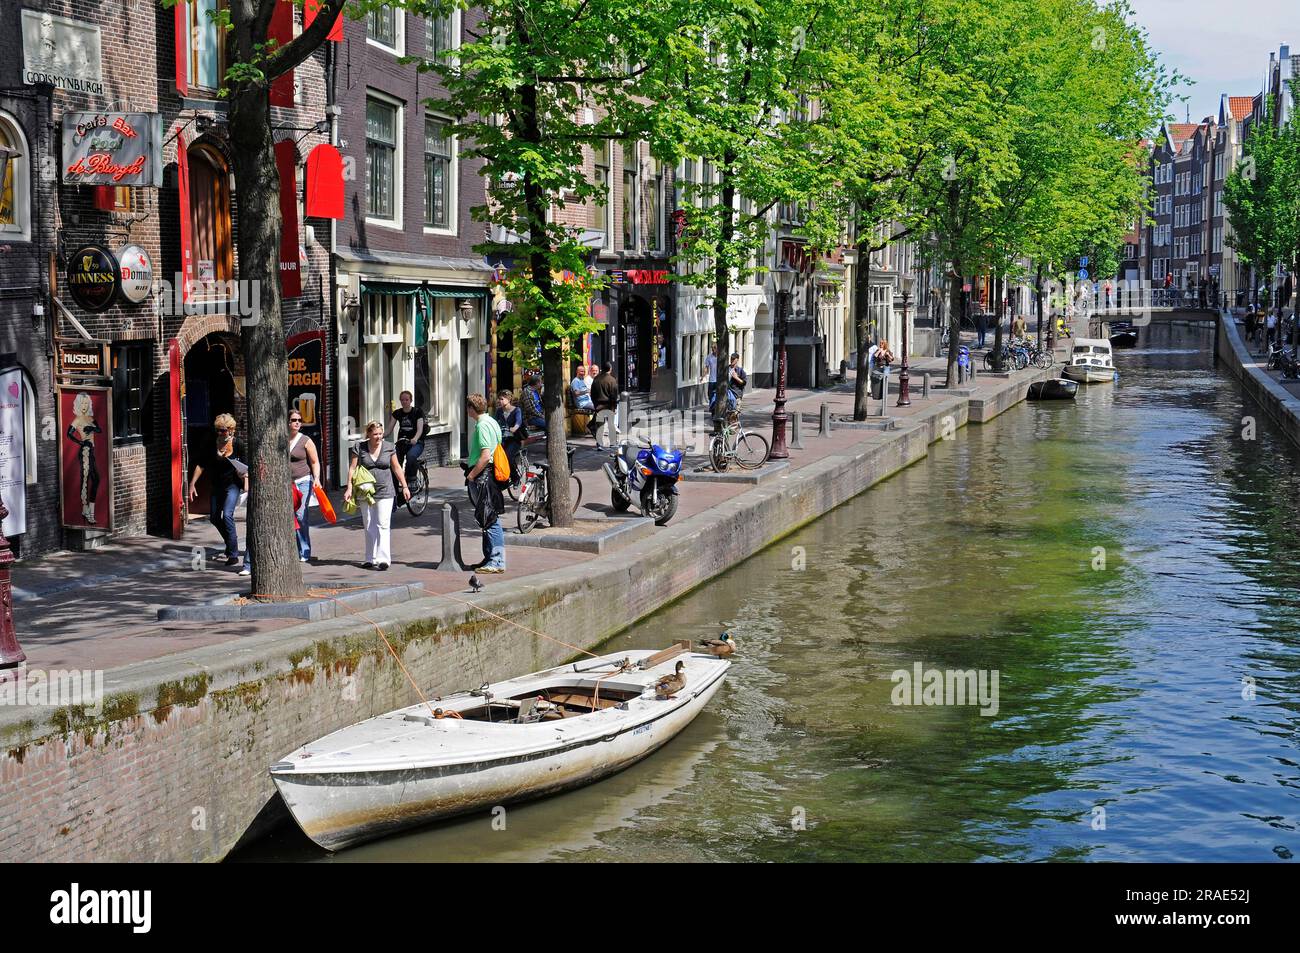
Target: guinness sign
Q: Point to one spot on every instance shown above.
(93, 277)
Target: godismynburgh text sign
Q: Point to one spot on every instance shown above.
(62, 52)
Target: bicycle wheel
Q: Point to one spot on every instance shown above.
(990, 361)
(718, 455)
(419, 492)
(532, 504)
(575, 490)
(1043, 359)
(751, 451)
(1022, 360)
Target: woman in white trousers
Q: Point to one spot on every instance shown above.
(379, 457)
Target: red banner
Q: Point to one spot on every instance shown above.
(175, 394)
(86, 457)
(181, 25)
(281, 30)
(309, 12)
(286, 161)
(324, 182)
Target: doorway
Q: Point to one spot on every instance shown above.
(211, 367)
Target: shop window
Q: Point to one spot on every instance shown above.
(599, 207)
(654, 204)
(383, 162)
(439, 174)
(15, 182)
(214, 256)
(131, 376)
(207, 59)
(384, 27)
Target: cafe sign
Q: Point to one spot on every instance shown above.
(93, 277)
(135, 269)
(108, 148)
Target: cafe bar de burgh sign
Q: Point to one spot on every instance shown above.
(62, 52)
(105, 148)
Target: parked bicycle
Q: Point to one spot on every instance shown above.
(535, 493)
(747, 449)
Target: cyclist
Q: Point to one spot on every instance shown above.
(408, 433)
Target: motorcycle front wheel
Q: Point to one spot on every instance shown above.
(661, 510)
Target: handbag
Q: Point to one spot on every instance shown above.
(326, 508)
(500, 465)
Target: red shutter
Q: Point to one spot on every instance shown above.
(183, 209)
(181, 20)
(105, 197)
(286, 161)
(309, 14)
(176, 432)
(324, 182)
(281, 30)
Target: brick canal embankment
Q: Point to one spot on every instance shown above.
(175, 766)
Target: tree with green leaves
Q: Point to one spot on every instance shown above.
(255, 62)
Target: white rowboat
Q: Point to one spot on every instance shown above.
(517, 739)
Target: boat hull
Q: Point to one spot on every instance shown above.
(1053, 390)
(1088, 374)
(339, 810)
(1124, 339)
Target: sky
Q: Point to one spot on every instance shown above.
(1221, 44)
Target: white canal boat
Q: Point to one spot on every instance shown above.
(508, 741)
(1090, 362)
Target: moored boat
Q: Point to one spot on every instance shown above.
(1090, 362)
(1058, 389)
(1123, 334)
(507, 741)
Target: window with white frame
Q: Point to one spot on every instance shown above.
(441, 35)
(439, 174)
(16, 185)
(654, 203)
(1218, 239)
(599, 208)
(383, 159)
(385, 27)
(631, 166)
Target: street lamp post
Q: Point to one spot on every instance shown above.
(784, 280)
(904, 396)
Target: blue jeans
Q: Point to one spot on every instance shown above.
(536, 424)
(304, 532)
(494, 545)
(413, 453)
(222, 514)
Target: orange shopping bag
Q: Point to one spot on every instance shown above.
(326, 508)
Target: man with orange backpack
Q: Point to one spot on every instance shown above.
(481, 479)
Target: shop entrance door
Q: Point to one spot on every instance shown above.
(210, 368)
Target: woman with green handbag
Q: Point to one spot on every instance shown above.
(372, 468)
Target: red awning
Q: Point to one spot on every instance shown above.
(324, 182)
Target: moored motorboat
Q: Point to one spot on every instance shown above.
(1057, 389)
(1123, 334)
(1090, 362)
(507, 741)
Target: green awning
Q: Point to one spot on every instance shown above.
(426, 295)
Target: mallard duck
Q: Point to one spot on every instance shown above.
(670, 685)
(723, 646)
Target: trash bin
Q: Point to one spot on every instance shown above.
(877, 384)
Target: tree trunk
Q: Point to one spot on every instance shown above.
(997, 329)
(553, 382)
(862, 327)
(721, 286)
(956, 311)
(1038, 297)
(270, 539)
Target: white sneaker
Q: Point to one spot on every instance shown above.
(245, 571)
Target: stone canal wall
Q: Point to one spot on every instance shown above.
(1281, 405)
(174, 768)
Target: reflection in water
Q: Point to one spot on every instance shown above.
(1125, 729)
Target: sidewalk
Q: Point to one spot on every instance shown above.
(99, 609)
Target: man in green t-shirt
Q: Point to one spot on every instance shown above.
(485, 435)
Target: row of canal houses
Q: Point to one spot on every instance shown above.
(121, 303)
(1186, 245)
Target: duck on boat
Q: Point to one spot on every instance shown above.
(506, 741)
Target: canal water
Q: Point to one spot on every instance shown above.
(1126, 565)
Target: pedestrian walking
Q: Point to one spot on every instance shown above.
(981, 324)
(304, 470)
(226, 465)
(511, 421)
(379, 459)
(480, 482)
(711, 372)
(604, 397)
(408, 433)
(1270, 327)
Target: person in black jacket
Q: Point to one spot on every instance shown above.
(226, 465)
(604, 397)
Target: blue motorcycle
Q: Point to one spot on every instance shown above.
(651, 480)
